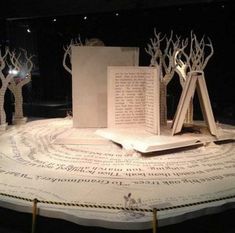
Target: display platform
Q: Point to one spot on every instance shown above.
(181, 184)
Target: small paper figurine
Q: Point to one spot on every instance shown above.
(131, 202)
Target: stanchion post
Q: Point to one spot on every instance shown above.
(154, 220)
(35, 201)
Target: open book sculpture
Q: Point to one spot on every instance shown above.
(128, 103)
(189, 61)
(133, 98)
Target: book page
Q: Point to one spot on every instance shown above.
(127, 97)
(152, 106)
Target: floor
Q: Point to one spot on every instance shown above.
(16, 222)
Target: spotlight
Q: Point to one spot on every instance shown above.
(117, 14)
(54, 20)
(85, 17)
(28, 30)
(13, 71)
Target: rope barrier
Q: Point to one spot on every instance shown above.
(69, 204)
(154, 210)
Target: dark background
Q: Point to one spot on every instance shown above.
(132, 27)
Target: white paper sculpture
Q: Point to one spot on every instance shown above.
(162, 50)
(133, 98)
(77, 42)
(195, 62)
(89, 81)
(190, 69)
(181, 69)
(24, 65)
(68, 53)
(5, 80)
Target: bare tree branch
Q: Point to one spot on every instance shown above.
(68, 52)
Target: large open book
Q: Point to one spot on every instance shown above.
(89, 81)
(133, 98)
(133, 112)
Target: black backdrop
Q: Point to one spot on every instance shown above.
(129, 28)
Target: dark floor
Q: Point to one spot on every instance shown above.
(16, 222)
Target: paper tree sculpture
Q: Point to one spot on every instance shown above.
(23, 63)
(162, 50)
(199, 54)
(77, 42)
(68, 53)
(181, 69)
(7, 73)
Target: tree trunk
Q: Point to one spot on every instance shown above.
(18, 103)
(2, 110)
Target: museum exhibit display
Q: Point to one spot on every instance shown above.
(141, 144)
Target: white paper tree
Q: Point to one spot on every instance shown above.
(7, 74)
(195, 59)
(23, 63)
(163, 58)
(77, 42)
(181, 69)
(68, 53)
